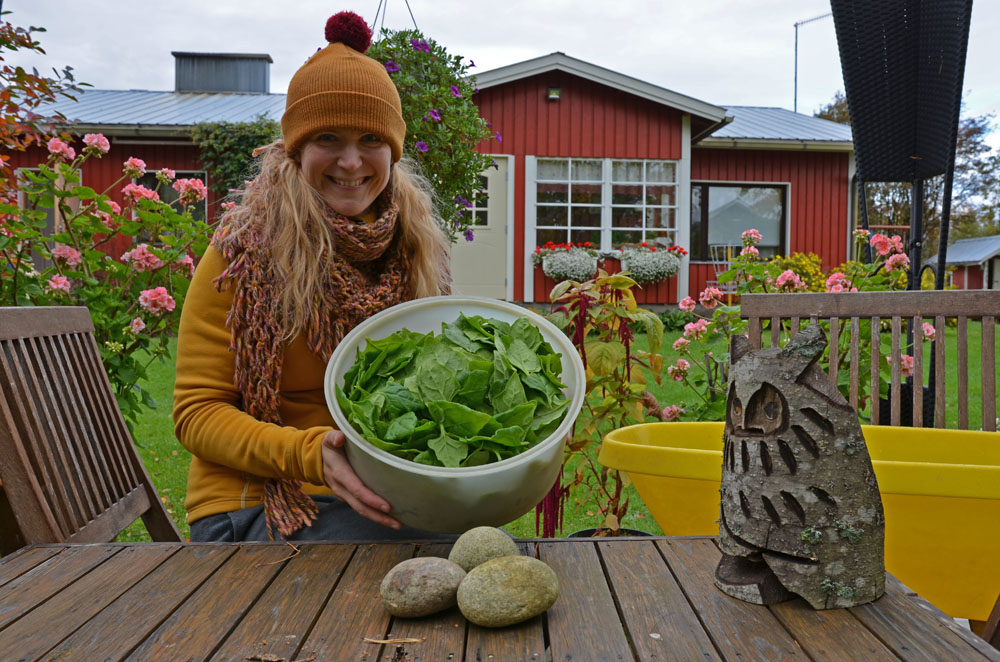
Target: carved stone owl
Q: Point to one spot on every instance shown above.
(801, 511)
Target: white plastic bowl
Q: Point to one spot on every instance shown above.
(449, 499)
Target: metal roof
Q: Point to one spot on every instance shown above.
(143, 111)
(763, 123)
(171, 113)
(968, 252)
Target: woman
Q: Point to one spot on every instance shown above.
(336, 227)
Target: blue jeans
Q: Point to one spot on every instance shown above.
(337, 521)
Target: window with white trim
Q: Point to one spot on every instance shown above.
(607, 202)
(720, 213)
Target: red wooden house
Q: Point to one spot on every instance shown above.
(583, 154)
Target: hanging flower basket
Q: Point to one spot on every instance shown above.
(647, 264)
(576, 262)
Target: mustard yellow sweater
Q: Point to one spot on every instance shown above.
(234, 452)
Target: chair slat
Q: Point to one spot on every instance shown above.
(939, 371)
(895, 415)
(917, 393)
(834, 348)
(873, 381)
(855, 360)
(775, 331)
(753, 332)
(989, 377)
(963, 372)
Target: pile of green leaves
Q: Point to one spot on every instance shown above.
(481, 391)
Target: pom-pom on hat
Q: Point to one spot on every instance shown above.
(341, 87)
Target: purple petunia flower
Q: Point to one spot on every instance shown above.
(459, 200)
(420, 45)
(455, 92)
(499, 137)
(434, 114)
(470, 235)
(422, 146)
(391, 67)
(471, 63)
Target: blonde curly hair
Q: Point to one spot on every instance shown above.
(294, 226)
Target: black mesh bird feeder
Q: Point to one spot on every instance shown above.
(903, 63)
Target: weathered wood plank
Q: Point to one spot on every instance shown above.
(443, 634)
(660, 621)
(824, 304)
(831, 635)
(221, 601)
(989, 377)
(16, 565)
(45, 580)
(584, 623)
(524, 642)
(141, 608)
(30, 637)
(911, 632)
(355, 611)
(964, 633)
(280, 620)
(740, 631)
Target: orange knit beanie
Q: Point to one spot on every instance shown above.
(341, 87)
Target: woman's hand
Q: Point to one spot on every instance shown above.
(346, 485)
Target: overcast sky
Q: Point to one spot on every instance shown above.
(725, 52)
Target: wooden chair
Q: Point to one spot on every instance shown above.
(68, 466)
(848, 313)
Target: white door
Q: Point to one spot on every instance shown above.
(479, 267)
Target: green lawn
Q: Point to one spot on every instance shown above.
(167, 461)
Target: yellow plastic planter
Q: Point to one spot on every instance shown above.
(940, 490)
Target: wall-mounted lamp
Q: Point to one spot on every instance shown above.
(553, 94)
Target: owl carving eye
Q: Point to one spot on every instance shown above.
(766, 412)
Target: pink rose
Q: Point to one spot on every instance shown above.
(156, 300)
(882, 244)
(70, 255)
(838, 282)
(59, 283)
(135, 192)
(141, 259)
(672, 412)
(696, 330)
(897, 261)
(687, 304)
(679, 370)
(191, 190)
(789, 280)
(134, 167)
(137, 325)
(905, 364)
(115, 208)
(59, 148)
(711, 297)
(751, 237)
(929, 331)
(897, 243)
(96, 143)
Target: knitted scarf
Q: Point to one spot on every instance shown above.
(366, 273)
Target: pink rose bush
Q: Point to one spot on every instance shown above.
(929, 332)
(134, 294)
(191, 190)
(705, 371)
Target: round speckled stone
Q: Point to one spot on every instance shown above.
(421, 586)
(507, 590)
(481, 544)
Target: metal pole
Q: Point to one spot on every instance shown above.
(795, 99)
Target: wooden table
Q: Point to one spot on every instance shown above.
(625, 599)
